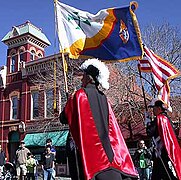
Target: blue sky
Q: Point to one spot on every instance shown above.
(41, 14)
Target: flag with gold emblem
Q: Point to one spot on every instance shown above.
(111, 34)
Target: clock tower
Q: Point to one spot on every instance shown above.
(25, 43)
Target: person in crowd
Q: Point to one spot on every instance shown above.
(142, 159)
(102, 149)
(2, 160)
(167, 152)
(36, 169)
(31, 167)
(21, 158)
(49, 143)
(53, 150)
(48, 164)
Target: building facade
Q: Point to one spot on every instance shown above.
(27, 108)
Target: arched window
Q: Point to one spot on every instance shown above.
(21, 55)
(32, 55)
(14, 107)
(13, 63)
(34, 104)
(39, 55)
(49, 103)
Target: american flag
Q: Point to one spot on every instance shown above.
(162, 72)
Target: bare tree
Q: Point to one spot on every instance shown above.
(125, 91)
(165, 41)
(126, 98)
(49, 77)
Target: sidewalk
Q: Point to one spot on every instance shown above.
(56, 178)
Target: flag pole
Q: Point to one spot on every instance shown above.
(55, 86)
(64, 64)
(146, 107)
(143, 90)
(66, 83)
(66, 90)
(55, 74)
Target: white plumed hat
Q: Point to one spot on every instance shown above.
(98, 70)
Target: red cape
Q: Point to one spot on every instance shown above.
(169, 139)
(84, 132)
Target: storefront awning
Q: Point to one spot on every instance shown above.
(39, 139)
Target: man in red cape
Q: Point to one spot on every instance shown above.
(167, 156)
(93, 126)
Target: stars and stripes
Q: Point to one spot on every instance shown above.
(162, 71)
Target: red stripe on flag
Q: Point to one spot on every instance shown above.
(145, 65)
(162, 71)
(164, 66)
(168, 74)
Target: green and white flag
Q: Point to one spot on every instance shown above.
(111, 34)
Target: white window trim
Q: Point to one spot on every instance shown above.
(20, 62)
(33, 54)
(11, 63)
(45, 104)
(31, 115)
(11, 109)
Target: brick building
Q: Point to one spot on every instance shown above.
(26, 110)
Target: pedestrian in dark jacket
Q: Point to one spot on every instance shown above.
(167, 152)
(48, 164)
(142, 160)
